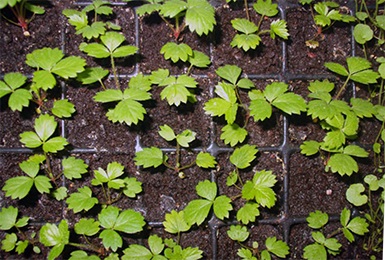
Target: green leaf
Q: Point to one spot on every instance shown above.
(60, 193)
(149, 157)
(358, 226)
(186, 137)
(337, 68)
(63, 108)
(372, 181)
(54, 144)
(87, 227)
(45, 126)
(266, 8)
(238, 233)
(333, 140)
(109, 95)
(243, 25)
(362, 33)
(277, 247)
(137, 252)
(197, 211)
(243, 156)
(43, 184)
(96, 50)
(200, 16)
(207, 189)
(233, 134)
(355, 150)
(18, 187)
(73, 168)
(354, 196)
(260, 109)
(231, 73)
(45, 58)
(132, 187)
(232, 179)
(260, 189)
(275, 90)
(176, 52)
(246, 254)
(317, 219)
(175, 222)
(129, 221)
(8, 217)
(279, 28)
(222, 207)
(31, 168)
(52, 235)
(177, 253)
(81, 200)
(290, 103)
(111, 239)
(199, 59)
(94, 30)
(44, 80)
(315, 252)
(91, 75)
(127, 111)
(69, 67)
(175, 94)
(246, 41)
(156, 244)
(205, 160)
(343, 164)
(309, 148)
(172, 8)
(248, 213)
(9, 242)
(167, 133)
(362, 108)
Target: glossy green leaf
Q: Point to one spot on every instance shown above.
(243, 156)
(238, 233)
(233, 134)
(81, 200)
(149, 157)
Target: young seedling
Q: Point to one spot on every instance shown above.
(249, 33)
(110, 46)
(327, 13)
(273, 247)
(128, 108)
(324, 245)
(197, 15)
(14, 85)
(91, 29)
(341, 121)
(20, 9)
(176, 90)
(154, 156)
(17, 240)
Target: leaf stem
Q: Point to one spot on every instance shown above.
(343, 87)
(117, 83)
(247, 9)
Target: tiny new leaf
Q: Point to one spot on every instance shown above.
(238, 233)
(205, 160)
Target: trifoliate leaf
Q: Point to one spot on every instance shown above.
(205, 160)
(233, 134)
(88, 227)
(63, 108)
(52, 235)
(248, 213)
(149, 157)
(54, 144)
(73, 168)
(317, 219)
(176, 52)
(343, 164)
(277, 247)
(238, 233)
(175, 222)
(260, 189)
(243, 156)
(354, 196)
(81, 200)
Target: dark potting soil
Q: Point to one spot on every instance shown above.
(98, 141)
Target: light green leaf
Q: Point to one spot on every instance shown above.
(337, 68)
(248, 213)
(343, 164)
(8, 217)
(63, 108)
(205, 160)
(354, 196)
(196, 211)
(9, 242)
(260, 189)
(60, 193)
(222, 207)
(129, 221)
(315, 252)
(69, 67)
(199, 59)
(132, 187)
(92, 31)
(87, 226)
(231, 73)
(45, 58)
(91, 75)
(52, 235)
(111, 239)
(175, 222)
(233, 134)
(362, 33)
(81, 200)
(186, 137)
(279, 28)
(358, 226)
(260, 109)
(200, 16)
(73, 168)
(355, 150)
(18, 187)
(149, 157)
(238, 233)
(137, 252)
(30, 139)
(45, 126)
(290, 103)
(176, 52)
(266, 7)
(309, 148)
(43, 184)
(243, 156)
(167, 133)
(277, 247)
(54, 144)
(95, 50)
(246, 41)
(243, 25)
(156, 244)
(317, 219)
(127, 111)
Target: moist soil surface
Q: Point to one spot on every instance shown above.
(302, 187)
